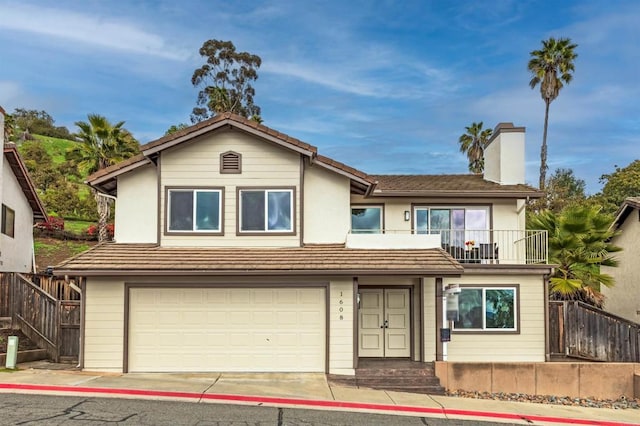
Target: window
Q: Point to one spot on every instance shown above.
(230, 162)
(8, 221)
(456, 224)
(366, 219)
(194, 210)
(487, 309)
(266, 210)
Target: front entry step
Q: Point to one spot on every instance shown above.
(394, 375)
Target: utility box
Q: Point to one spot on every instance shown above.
(12, 352)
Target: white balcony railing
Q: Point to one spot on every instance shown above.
(506, 247)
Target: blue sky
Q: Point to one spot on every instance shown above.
(384, 86)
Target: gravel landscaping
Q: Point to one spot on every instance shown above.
(620, 403)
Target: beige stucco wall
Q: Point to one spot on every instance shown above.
(623, 298)
(136, 215)
(104, 324)
(506, 215)
(264, 165)
(341, 326)
(431, 331)
(16, 253)
(526, 346)
(504, 158)
(327, 214)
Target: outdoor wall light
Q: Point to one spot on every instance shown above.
(407, 215)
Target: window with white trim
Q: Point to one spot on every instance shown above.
(487, 309)
(266, 210)
(194, 210)
(457, 225)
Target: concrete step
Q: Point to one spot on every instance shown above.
(415, 379)
(428, 390)
(395, 372)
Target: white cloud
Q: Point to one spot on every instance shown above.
(109, 33)
(381, 80)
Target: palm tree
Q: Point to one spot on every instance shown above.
(473, 144)
(579, 243)
(551, 67)
(102, 144)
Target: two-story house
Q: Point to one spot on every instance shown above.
(239, 248)
(21, 208)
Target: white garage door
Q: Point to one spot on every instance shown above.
(224, 329)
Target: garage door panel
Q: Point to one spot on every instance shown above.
(224, 329)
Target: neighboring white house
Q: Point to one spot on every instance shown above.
(239, 248)
(21, 208)
(623, 299)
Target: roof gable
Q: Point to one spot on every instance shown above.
(223, 121)
(105, 180)
(629, 204)
(26, 184)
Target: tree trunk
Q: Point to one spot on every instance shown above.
(103, 216)
(543, 149)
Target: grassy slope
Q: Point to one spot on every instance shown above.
(57, 149)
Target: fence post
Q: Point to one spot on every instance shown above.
(565, 331)
(57, 326)
(12, 298)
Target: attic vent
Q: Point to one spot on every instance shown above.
(230, 162)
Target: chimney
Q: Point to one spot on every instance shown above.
(504, 155)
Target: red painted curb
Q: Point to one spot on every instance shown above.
(309, 403)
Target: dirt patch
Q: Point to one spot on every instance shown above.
(50, 251)
(24, 344)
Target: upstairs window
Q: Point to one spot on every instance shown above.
(194, 210)
(8, 221)
(230, 162)
(457, 225)
(366, 219)
(266, 210)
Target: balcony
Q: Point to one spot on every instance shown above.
(487, 247)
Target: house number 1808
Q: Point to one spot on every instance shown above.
(341, 309)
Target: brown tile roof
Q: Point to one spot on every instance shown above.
(26, 184)
(150, 259)
(448, 186)
(341, 166)
(119, 166)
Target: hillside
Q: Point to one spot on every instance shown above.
(55, 147)
(59, 183)
(61, 188)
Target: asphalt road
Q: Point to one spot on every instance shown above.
(21, 409)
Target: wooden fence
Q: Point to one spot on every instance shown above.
(50, 323)
(5, 295)
(578, 330)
